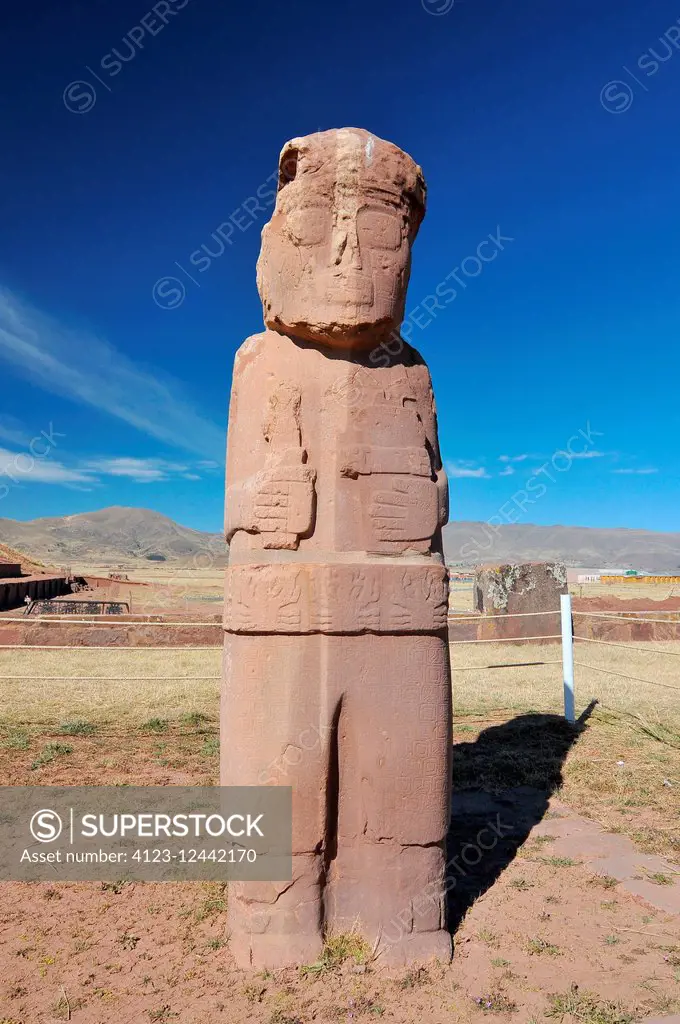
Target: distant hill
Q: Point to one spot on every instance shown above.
(114, 535)
(119, 535)
(28, 567)
(470, 543)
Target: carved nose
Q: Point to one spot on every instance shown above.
(346, 252)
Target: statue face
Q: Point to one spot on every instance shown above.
(336, 255)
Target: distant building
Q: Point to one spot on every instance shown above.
(632, 575)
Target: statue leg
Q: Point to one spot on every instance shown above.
(274, 732)
(394, 753)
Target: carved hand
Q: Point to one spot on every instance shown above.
(409, 511)
(283, 504)
(277, 502)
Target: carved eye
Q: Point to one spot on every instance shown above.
(379, 229)
(309, 225)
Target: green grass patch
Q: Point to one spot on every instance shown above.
(541, 947)
(77, 728)
(155, 725)
(337, 949)
(50, 753)
(586, 1008)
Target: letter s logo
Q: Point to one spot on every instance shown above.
(46, 826)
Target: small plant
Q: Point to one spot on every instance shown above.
(114, 887)
(586, 1008)
(660, 879)
(487, 936)
(194, 719)
(521, 884)
(216, 943)
(50, 753)
(414, 976)
(211, 747)
(541, 947)
(162, 1014)
(128, 941)
(77, 728)
(254, 993)
(612, 940)
(214, 902)
(540, 840)
(558, 862)
(17, 741)
(156, 725)
(495, 1002)
(604, 881)
(337, 949)
(279, 1017)
(498, 961)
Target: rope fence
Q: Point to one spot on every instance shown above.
(629, 647)
(67, 620)
(635, 679)
(499, 640)
(111, 679)
(98, 650)
(567, 636)
(630, 617)
(499, 615)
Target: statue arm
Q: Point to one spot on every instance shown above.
(270, 489)
(428, 413)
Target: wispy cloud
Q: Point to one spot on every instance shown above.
(86, 369)
(142, 471)
(636, 472)
(508, 471)
(462, 470)
(513, 458)
(509, 459)
(32, 462)
(21, 468)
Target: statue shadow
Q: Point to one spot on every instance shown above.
(502, 783)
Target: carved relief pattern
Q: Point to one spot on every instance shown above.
(335, 599)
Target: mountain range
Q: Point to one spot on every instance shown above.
(132, 535)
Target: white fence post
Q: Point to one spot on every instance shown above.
(567, 657)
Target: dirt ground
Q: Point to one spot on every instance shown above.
(536, 935)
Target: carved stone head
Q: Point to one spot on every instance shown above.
(336, 255)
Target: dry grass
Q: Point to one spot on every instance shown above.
(623, 769)
(478, 689)
(461, 592)
(460, 597)
(632, 591)
(185, 579)
(125, 701)
(539, 687)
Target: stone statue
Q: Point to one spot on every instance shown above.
(336, 670)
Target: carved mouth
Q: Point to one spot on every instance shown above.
(345, 291)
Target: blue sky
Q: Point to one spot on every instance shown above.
(552, 124)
